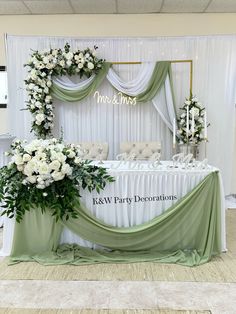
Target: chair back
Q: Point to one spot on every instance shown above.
(141, 150)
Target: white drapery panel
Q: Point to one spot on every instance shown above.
(65, 82)
(214, 61)
(164, 105)
(136, 85)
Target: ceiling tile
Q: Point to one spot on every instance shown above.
(184, 6)
(93, 6)
(139, 6)
(222, 6)
(13, 7)
(49, 6)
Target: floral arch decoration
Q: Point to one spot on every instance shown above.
(43, 82)
(42, 67)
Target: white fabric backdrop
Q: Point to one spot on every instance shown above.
(214, 60)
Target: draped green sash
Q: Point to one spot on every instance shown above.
(160, 72)
(188, 233)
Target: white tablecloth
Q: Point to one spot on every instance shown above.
(138, 194)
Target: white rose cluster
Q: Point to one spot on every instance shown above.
(45, 161)
(42, 66)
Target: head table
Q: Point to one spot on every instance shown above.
(142, 192)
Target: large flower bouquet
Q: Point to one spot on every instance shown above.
(45, 65)
(191, 122)
(47, 174)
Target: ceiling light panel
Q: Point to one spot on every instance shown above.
(228, 6)
(138, 6)
(184, 6)
(13, 7)
(49, 6)
(93, 6)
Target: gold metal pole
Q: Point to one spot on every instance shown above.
(171, 61)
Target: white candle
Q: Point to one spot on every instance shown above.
(174, 132)
(193, 123)
(187, 121)
(205, 125)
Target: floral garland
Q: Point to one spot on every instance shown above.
(43, 66)
(47, 174)
(192, 108)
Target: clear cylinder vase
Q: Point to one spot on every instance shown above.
(189, 149)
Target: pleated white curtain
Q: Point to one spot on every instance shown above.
(214, 79)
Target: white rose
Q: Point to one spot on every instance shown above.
(20, 167)
(77, 160)
(43, 168)
(26, 157)
(54, 165)
(46, 90)
(39, 118)
(31, 179)
(50, 66)
(80, 65)
(71, 154)
(54, 52)
(18, 160)
(48, 99)
(61, 157)
(81, 55)
(45, 60)
(57, 176)
(31, 86)
(66, 169)
(49, 83)
(62, 63)
(69, 62)
(38, 104)
(69, 55)
(28, 170)
(40, 186)
(90, 65)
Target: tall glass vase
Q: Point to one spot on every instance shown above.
(189, 149)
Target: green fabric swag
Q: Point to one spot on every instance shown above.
(188, 233)
(76, 95)
(160, 72)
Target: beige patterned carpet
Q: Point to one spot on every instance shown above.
(220, 269)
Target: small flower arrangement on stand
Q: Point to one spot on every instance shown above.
(192, 124)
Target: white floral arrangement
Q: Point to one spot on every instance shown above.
(42, 67)
(47, 174)
(192, 122)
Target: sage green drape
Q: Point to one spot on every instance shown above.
(76, 95)
(188, 233)
(160, 72)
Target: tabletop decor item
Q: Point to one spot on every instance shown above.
(47, 174)
(42, 67)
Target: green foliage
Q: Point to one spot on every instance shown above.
(61, 197)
